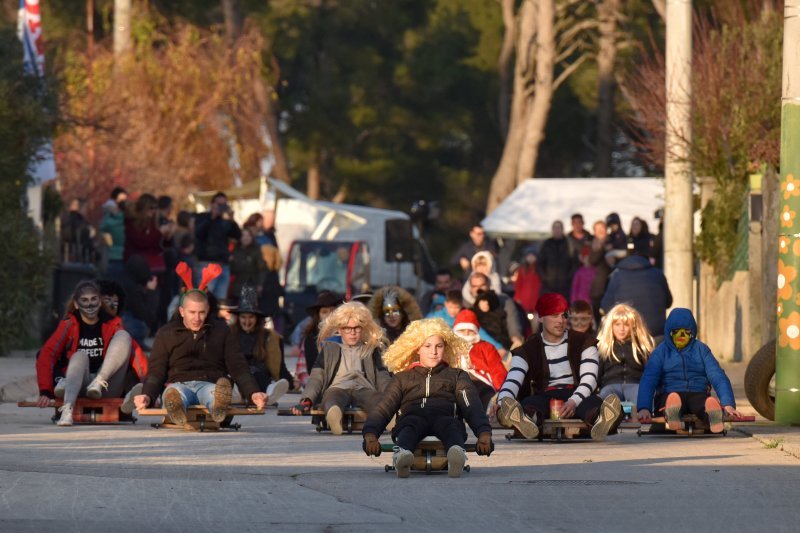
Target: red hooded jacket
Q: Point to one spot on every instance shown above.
(487, 365)
(64, 342)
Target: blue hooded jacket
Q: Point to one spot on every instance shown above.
(691, 369)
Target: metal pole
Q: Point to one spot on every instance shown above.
(678, 231)
(787, 364)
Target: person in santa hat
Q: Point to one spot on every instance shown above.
(483, 362)
(555, 364)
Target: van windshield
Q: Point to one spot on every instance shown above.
(322, 265)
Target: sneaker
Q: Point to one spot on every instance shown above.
(334, 419)
(222, 399)
(276, 390)
(173, 403)
(128, 406)
(61, 386)
(672, 411)
(610, 413)
(66, 415)
(456, 459)
(511, 415)
(714, 412)
(403, 459)
(96, 388)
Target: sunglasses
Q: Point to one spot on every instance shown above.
(683, 332)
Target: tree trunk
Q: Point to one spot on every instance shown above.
(504, 65)
(122, 29)
(606, 58)
(504, 179)
(661, 8)
(233, 20)
(543, 93)
(314, 177)
(280, 169)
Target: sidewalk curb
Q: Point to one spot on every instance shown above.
(774, 440)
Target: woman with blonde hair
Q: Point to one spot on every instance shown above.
(431, 396)
(349, 369)
(625, 345)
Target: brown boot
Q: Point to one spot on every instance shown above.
(222, 399)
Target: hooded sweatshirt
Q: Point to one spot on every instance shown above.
(691, 369)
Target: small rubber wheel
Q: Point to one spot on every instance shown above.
(509, 436)
(466, 468)
(386, 468)
(691, 429)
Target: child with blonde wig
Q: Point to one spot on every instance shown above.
(430, 396)
(624, 344)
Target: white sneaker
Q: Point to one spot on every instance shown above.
(276, 390)
(61, 386)
(128, 406)
(403, 459)
(66, 415)
(96, 388)
(456, 459)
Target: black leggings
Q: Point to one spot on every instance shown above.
(692, 403)
(411, 429)
(588, 410)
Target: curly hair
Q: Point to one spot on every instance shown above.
(403, 351)
(641, 340)
(371, 334)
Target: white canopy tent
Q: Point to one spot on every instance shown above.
(529, 211)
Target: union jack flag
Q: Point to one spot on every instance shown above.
(29, 30)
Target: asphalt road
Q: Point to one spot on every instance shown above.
(278, 474)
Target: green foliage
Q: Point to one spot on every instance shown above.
(24, 123)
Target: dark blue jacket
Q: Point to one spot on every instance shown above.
(642, 286)
(691, 369)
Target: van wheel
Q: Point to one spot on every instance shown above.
(759, 381)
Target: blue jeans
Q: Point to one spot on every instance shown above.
(219, 285)
(194, 393)
(626, 392)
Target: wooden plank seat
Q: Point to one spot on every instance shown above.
(559, 430)
(692, 425)
(353, 419)
(90, 411)
(430, 456)
(199, 419)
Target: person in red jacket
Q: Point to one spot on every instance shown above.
(483, 363)
(90, 349)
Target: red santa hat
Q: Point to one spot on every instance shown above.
(551, 304)
(466, 319)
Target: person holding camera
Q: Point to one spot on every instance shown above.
(214, 231)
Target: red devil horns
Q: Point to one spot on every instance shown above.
(185, 273)
(209, 274)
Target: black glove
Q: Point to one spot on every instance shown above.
(371, 445)
(485, 446)
(304, 406)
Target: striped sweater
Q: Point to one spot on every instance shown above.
(560, 371)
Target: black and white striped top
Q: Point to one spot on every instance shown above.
(560, 371)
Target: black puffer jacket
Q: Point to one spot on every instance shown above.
(627, 371)
(182, 355)
(429, 392)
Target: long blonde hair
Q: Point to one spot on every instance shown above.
(403, 351)
(641, 340)
(371, 333)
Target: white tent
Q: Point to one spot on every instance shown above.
(529, 211)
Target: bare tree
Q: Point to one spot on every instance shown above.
(504, 63)
(606, 86)
(122, 28)
(549, 39)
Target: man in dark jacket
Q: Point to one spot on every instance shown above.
(195, 355)
(643, 287)
(555, 262)
(213, 232)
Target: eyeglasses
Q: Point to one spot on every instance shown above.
(683, 332)
(351, 329)
(389, 314)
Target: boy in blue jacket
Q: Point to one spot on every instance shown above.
(681, 369)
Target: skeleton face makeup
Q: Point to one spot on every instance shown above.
(88, 304)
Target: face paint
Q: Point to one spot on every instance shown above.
(89, 305)
(680, 337)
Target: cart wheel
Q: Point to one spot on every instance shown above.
(559, 434)
(93, 416)
(236, 427)
(691, 429)
(509, 436)
(466, 468)
(202, 425)
(155, 425)
(724, 432)
(319, 429)
(133, 419)
(639, 432)
(349, 424)
(54, 419)
(386, 468)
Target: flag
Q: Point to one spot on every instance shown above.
(29, 30)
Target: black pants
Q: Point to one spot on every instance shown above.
(692, 403)
(363, 398)
(412, 428)
(588, 410)
(485, 392)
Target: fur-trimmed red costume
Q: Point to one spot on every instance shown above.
(487, 364)
(64, 342)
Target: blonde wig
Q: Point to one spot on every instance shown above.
(403, 351)
(641, 340)
(371, 333)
